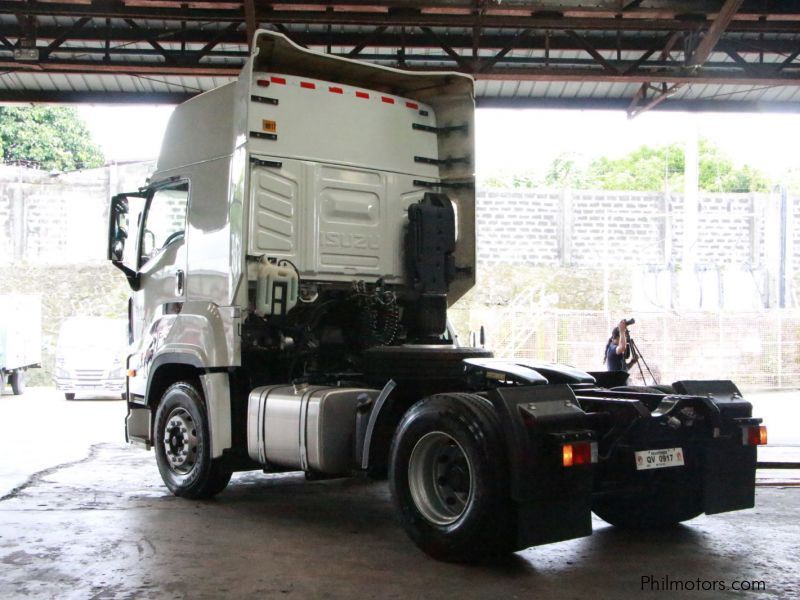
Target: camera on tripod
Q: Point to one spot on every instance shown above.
(630, 322)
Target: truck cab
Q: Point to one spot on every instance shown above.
(291, 262)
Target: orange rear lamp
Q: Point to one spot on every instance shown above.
(755, 435)
(578, 453)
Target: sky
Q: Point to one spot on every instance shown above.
(523, 140)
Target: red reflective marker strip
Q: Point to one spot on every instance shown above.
(336, 90)
(262, 82)
(280, 80)
(413, 105)
(308, 85)
(387, 99)
(362, 95)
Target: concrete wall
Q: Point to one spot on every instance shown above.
(579, 227)
(60, 218)
(55, 219)
(53, 235)
(739, 253)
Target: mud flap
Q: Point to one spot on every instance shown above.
(730, 478)
(549, 520)
(553, 502)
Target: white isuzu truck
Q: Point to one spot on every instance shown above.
(291, 263)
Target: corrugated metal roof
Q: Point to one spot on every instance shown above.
(527, 91)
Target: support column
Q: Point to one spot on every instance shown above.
(689, 293)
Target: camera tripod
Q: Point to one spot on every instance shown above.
(636, 353)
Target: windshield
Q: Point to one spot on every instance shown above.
(93, 334)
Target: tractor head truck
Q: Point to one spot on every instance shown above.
(291, 262)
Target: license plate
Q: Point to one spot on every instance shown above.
(659, 459)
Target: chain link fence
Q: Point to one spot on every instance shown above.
(754, 349)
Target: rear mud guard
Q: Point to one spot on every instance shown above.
(553, 502)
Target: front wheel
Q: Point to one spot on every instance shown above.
(449, 479)
(69, 396)
(183, 450)
(17, 381)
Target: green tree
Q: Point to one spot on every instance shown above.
(564, 172)
(54, 137)
(646, 168)
(656, 168)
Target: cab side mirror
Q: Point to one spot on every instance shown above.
(118, 228)
(118, 238)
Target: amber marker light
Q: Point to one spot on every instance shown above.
(567, 457)
(756, 435)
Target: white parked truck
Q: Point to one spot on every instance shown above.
(20, 339)
(292, 260)
(89, 356)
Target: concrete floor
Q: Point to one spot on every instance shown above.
(84, 516)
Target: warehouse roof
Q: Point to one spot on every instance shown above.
(634, 54)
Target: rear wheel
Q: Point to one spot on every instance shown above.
(183, 450)
(449, 479)
(69, 396)
(17, 380)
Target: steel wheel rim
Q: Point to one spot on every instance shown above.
(180, 441)
(440, 478)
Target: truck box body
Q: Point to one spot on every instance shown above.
(20, 331)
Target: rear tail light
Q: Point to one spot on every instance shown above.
(579, 453)
(754, 435)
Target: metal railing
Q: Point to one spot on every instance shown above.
(759, 349)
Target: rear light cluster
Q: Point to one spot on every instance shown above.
(754, 435)
(579, 453)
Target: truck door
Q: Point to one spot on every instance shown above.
(161, 264)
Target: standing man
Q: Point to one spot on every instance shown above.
(616, 347)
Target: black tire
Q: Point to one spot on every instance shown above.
(665, 507)
(480, 521)
(69, 396)
(182, 412)
(17, 381)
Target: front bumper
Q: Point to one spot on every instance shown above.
(90, 386)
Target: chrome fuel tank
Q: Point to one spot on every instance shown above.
(309, 428)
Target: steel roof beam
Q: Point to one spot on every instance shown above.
(695, 59)
(94, 97)
(232, 34)
(622, 103)
(104, 97)
(764, 75)
(369, 40)
(384, 17)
